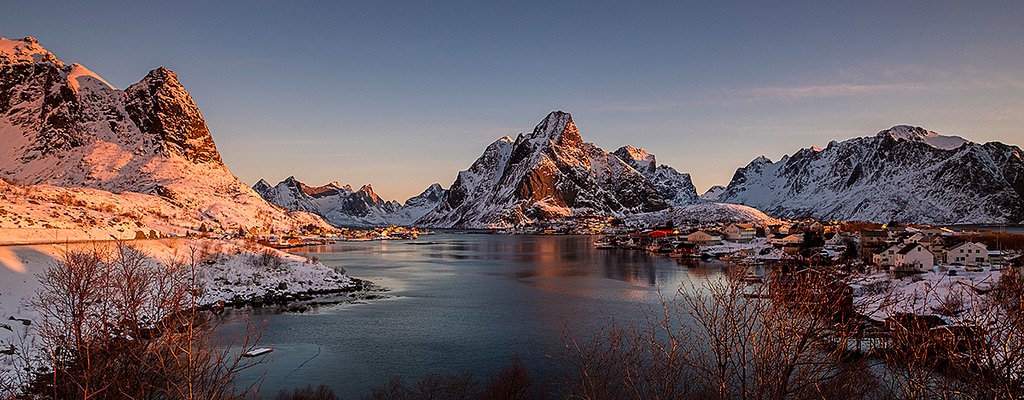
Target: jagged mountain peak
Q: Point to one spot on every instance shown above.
(919, 134)
(558, 128)
(160, 106)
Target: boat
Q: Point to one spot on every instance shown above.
(257, 352)
(603, 245)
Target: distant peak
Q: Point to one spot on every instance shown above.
(919, 134)
(161, 74)
(761, 160)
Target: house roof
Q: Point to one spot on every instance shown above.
(955, 246)
(744, 226)
(908, 248)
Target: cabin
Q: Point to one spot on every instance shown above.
(740, 232)
(967, 253)
(914, 257)
(705, 237)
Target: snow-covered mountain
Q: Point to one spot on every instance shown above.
(551, 173)
(343, 206)
(713, 193)
(904, 173)
(64, 126)
(675, 187)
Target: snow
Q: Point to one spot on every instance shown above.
(80, 76)
(879, 295)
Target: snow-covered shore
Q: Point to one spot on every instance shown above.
(231, 271)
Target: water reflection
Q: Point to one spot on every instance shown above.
(466, 304)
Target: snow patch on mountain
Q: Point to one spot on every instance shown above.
(917, 133)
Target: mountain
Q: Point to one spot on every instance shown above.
(552, 173)
(64, 126)
(675, 187)
(713, 193)
(904, 173)
(343, 206)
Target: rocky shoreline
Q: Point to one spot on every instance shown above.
(300, 302)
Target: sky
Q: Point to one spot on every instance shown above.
(405, 94)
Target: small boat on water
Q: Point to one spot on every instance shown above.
(257, 352)
(602, 245)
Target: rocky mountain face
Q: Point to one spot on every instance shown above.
(675, 187)
(905, 174)
(343, 206)
(63, 125)
(552, 173)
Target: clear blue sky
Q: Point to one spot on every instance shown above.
(406, 94)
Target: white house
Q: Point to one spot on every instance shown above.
(740, 232)
(914, 256)
(886, 257)
(967, 253)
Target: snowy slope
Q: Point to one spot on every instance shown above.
(905, 173)
(342, 206)
(62, 125)
(548, 173)
(703, 213)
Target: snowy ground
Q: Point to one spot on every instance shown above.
(231, 276)
(879, 294)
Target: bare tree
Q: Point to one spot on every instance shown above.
(118, 324)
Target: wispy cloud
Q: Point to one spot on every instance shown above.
(827, 90)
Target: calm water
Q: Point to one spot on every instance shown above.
(467, 304)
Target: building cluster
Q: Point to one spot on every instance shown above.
(921, 249)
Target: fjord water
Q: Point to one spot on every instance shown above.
(467, 304)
